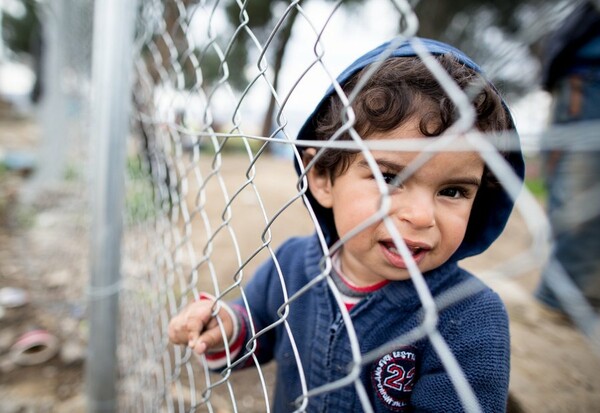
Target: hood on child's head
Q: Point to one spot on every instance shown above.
(490, 213)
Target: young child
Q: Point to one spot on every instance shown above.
(448, 209)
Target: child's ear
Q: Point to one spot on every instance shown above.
(319, 183)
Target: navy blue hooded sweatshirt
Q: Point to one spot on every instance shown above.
(411, 376)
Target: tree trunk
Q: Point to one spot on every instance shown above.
(284, 36)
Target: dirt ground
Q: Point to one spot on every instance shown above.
(43, 251)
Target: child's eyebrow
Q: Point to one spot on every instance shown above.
(464, 180)
(388, 166)
(395, 168)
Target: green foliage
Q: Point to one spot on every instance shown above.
(135, 169)
(18, 31)
(139, 198)
(466, 24)
(71, 172)
(234, 144)
(259, 12)
(260, 16)
(25, 217)
(537, 187)
(436, 17)
(213, 70)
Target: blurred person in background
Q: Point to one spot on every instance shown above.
(571, 73)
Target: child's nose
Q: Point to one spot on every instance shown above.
(416, 209)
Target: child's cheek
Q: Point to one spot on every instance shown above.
(366, 203)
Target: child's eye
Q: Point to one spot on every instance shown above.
(390, 178)
(454, 192)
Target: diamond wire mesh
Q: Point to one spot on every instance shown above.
(217, 204)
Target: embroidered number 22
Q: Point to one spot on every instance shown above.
(399, 379)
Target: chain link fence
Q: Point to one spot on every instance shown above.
(211, 189)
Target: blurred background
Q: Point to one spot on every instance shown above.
(49, 114)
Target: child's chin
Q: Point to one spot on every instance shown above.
(399, 275)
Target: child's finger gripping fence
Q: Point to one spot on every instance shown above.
(372, 312)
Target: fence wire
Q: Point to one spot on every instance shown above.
(210, 195)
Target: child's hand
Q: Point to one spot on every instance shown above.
(195, 327)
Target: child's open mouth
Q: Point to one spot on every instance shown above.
(395, 258)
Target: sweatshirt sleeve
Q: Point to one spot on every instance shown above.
(478, 336)
(256, 313)
(222, 357)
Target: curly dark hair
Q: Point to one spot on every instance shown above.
(400, 89)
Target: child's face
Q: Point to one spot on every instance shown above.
(430, 209)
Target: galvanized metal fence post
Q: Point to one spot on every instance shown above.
(114, 22)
